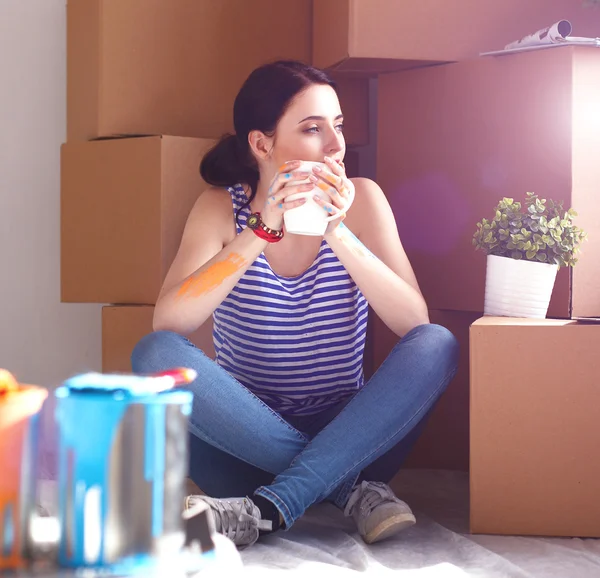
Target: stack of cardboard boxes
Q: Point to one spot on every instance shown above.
(151, 85)
(456, 133)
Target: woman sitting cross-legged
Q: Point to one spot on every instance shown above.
(283, 418)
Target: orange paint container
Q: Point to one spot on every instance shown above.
(19, 415)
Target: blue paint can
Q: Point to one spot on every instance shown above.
(122, 464)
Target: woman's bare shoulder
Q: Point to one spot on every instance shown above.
(213, 202)
(213, 209)
(367, 189)
(216, 197)
(370, 204)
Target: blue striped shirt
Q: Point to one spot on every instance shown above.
(295, 342)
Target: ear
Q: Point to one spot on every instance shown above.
(261, 145)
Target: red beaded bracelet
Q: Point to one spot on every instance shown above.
(255, 223)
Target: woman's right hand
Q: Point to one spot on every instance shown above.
(284, 184)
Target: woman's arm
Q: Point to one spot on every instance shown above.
(205, 269)
(377, 262)
(211, 258)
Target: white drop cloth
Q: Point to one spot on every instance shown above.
(324, 543)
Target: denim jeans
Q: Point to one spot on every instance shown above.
(239, 446)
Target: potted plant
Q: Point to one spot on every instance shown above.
(525, 247)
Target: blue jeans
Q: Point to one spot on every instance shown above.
(239, 446)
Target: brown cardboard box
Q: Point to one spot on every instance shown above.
(123, 326)
(453, 140)
(172, 67)
(444, 443)
(124, 204)
(535, 410)
(352, 163)
(354, 101)
(387, 35)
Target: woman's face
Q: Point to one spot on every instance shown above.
(311, 128)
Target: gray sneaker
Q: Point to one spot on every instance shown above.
(236, 518)
(378, 513)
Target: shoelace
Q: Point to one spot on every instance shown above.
(232, 519)
(369, 495)
(236, 523)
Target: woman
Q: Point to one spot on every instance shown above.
(283, 419)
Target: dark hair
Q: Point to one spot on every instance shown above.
(261, 102)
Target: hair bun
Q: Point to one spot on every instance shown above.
(228, 164)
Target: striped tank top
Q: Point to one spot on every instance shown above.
(295, 342)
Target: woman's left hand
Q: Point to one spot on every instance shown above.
(333, 181)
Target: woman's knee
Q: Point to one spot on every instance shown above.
(440, 343)
(152, 350)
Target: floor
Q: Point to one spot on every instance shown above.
(438, 546)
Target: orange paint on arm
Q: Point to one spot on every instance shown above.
(205, 281)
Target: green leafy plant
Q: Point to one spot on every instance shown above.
(541, 231)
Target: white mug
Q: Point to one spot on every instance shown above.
(309, 218)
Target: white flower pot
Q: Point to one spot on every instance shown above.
(518, 288)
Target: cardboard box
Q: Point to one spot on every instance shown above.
(373, 36)
(352, 163)
(172, 67)
(444, 443)
(453, 140)
(124, 204)
(354, 101)
(535, 410)
(123, 326)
